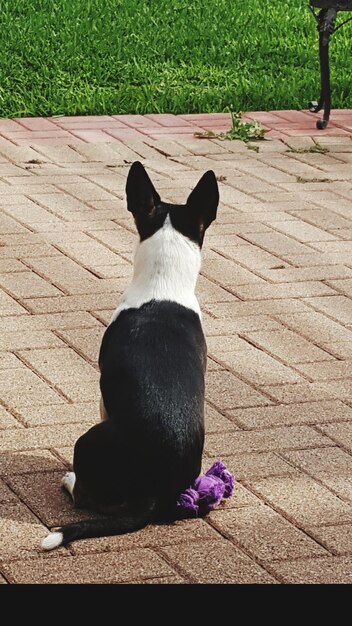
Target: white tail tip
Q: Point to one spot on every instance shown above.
(54, 540)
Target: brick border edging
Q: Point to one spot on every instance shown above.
(126, 128)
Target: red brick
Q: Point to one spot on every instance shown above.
(36, 123)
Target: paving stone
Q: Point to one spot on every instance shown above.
(109, 568)
(298, 393)
(278, 438)
(319, 412)
(217, 327)
(228, 273)
(54, 321)
(43, 494)
(341, 433)
(153, 536)
(316, 326)
(337, 539)
(253, 465)
(319, 258)
(340, 349)
(6, 494)
(285, 290)
(328, 370)
(215, 422)
(220, 345)
(302, 274)
(258, 368)
(60, 414)
(251, 256)
(9, 421)
(9, 360)
(9, 225)
(92, 254)
(85, 341)
(66, 274)
(330, 466)
(226, 391)
(264, 534)
(322, 218)
(27, 462)
(28, 285)
(21, 387)
(30, 214)
(9, 306)
(9, 266)
(21, 534)
(42, 437)
(251, 312)
(84, 302)
(303, 500)
(60, 365)
(27, 340)
(343, 286)
(226, 564)
(288, 346)
(325, 570)
(279, 244)
(303, 232)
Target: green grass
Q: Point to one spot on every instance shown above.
(138, 56)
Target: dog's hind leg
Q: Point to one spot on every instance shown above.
(68, 482)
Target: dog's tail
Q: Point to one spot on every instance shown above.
(102, 527)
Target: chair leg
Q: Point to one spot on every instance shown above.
(326, 28)
(325, 81)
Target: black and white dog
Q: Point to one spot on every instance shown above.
(134, 464)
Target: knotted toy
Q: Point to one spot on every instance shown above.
(207, 491)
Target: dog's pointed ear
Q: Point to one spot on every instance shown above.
(204, 199)
(142, 198)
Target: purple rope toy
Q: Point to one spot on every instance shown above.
(207, 491)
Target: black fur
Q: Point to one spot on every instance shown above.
(152, 362)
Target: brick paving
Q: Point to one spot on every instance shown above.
(276, 295)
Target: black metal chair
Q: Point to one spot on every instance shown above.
(326, 26)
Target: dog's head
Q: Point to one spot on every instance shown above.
(149, 211)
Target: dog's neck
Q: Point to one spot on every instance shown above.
(166, 267)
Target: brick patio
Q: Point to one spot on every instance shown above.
(276, 295)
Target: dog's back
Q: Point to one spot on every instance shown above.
(152, 363)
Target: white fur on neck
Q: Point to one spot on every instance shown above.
(166, 267)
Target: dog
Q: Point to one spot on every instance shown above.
(147, 449)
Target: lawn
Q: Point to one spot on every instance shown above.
(136, 56)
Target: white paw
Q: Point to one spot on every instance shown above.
(53, 540)
(68, 482)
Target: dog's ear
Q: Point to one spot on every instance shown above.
(142, 198)
(204, 199)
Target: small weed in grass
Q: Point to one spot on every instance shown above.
(242, 131)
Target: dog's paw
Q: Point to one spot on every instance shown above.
(68, 482)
